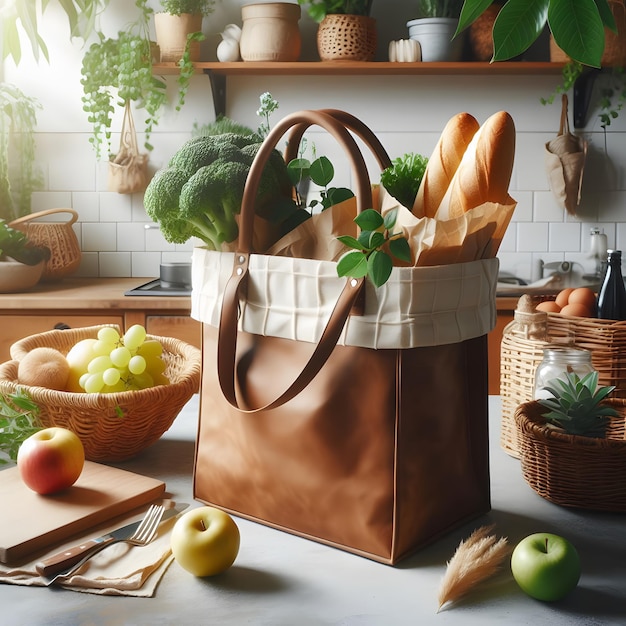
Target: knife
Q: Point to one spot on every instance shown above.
(67, 558)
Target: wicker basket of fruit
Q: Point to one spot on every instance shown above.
(116, 419)
(573, 446)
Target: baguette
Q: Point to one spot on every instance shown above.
(484, 173)
(443, 163)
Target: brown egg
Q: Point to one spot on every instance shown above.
(576, 310)
(548, 306)
(584, 296)
(563, 296)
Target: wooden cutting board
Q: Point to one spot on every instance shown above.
(30, 522)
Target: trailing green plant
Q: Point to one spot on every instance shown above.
(16, 244)
(119, 70)
(440, 8)
(319, 9)
(186, 69)
(576, 406)
(19, 419)
(19, 176)
(577, 27)
(367, 257)
(178, 7)
(23, 16)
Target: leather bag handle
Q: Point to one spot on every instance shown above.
(334, 122)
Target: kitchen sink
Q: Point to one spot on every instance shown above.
(174, 280)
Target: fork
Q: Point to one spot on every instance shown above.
(142, 536)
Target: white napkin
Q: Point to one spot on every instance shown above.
(120, 569)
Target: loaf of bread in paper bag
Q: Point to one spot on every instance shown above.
(443, 163)
(484, 173)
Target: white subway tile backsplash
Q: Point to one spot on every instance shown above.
(130, 237)
(99, 237)
(87, 205)
(532, 237)
(115, 264)
(145, 264)
(564, 237)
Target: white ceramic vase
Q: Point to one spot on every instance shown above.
(435, 36)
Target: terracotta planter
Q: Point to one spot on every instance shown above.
(270, 32)
(171, 34)
(347, 38)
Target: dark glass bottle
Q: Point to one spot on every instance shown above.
(612, 296)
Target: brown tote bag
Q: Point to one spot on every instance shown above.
(374, 451)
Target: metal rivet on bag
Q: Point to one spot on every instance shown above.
(353, 282)
(242, 259)
(239, 271)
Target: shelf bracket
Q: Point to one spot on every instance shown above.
(583, 88)
(218, 88)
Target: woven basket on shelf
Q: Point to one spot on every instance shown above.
(106, 434)
(571, 470)
(58, 237)
(347, 38)
(519, 359)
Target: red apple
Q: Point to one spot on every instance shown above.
(51, 460)
(205, 541)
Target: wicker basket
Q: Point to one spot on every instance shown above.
(347, 38)
(571, 470)
(95, 418)
(519, 359)
(58, 237)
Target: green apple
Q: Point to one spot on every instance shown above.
(205, 541)
(545, 566)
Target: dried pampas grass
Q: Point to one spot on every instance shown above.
(476, 559)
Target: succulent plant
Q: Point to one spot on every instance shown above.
(577, 405)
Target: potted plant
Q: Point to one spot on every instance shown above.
(117, 70)
(582, 35)
(435, 28)
(21, 262)
(18, 175)
(572, 447)
(346, 31)
(179, 28)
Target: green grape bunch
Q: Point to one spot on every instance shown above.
(124, 362)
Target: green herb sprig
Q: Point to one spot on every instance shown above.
(367, 257)
(19, 419)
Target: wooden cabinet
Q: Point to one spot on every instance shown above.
(78, 302)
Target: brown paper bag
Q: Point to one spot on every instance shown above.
(565, 163)
(128, 170)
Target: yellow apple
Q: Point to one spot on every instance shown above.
(78, 359)
(51, 460)
(205, 541)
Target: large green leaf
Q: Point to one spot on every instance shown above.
(470, 11)
(517, 26)
(578, 29)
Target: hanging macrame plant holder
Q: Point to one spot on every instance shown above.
(128, 169)
(565, 163)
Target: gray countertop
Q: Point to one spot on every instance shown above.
(282, 580)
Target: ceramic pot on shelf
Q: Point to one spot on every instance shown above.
(436, 38)
(171, 34)
(270, 32)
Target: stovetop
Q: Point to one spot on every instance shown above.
(156, 288)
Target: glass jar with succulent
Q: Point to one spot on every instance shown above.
(19, 176)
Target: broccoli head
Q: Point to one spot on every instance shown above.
(200, 192)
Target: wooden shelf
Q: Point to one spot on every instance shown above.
(218, 72)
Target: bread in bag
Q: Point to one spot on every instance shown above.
(443, 163)
(484, 173)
